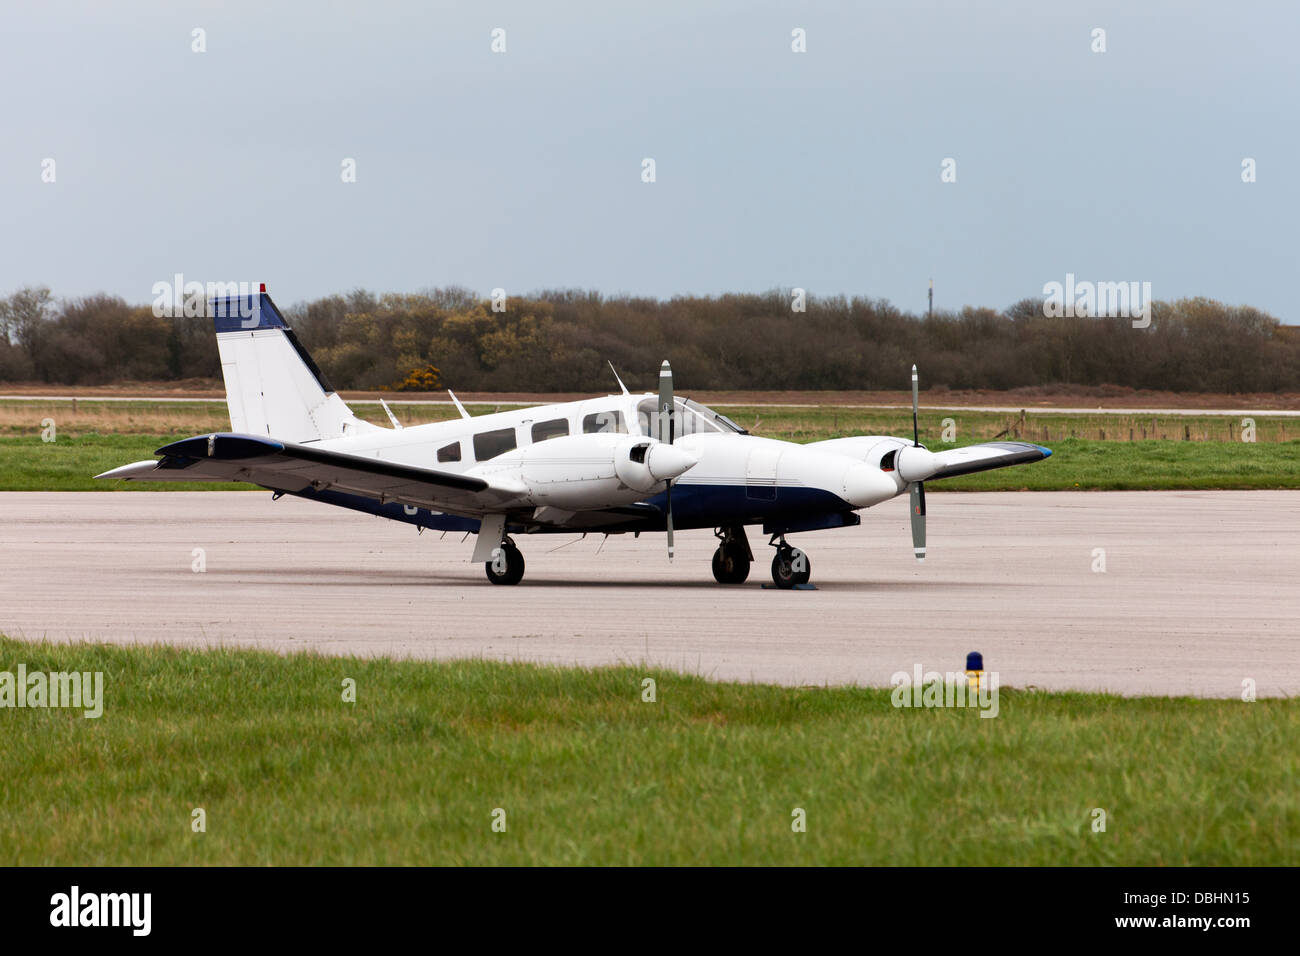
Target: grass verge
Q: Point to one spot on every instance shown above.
(71, 462)
(588, 773)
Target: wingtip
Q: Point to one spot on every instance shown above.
(133, 470)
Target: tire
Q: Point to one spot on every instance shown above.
(801, 577)
(784, 574)
(733, 571)
(514, 571)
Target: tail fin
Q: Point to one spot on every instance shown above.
(272, 385)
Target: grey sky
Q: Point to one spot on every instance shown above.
(523, 170)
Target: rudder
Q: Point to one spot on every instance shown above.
(272, 385)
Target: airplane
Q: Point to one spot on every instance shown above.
(625, 463)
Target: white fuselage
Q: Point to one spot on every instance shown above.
(565, 459)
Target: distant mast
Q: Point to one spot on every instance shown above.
(930, 313)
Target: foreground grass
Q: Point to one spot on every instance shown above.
(71, 462)
(587, 773)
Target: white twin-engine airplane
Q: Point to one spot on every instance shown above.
(611, 465)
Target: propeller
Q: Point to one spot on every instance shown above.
(666, 416)
(916, 492)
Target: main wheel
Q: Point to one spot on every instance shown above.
(507, 567)
(730, 566)
(790, 567)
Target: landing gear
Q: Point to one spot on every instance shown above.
(732, 559)
(790, 566)
(729, 567)
(507, 564)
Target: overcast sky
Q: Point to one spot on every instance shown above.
(523, 169)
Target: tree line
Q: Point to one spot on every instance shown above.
(560, 340)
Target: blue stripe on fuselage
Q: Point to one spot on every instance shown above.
(421, 517)
(694, 506)
(711, 506)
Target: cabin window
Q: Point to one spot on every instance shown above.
(555, 428)
(610, 421)
(490, 444)
(449, 452)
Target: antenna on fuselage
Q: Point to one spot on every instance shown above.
(456, 401)
(391, 417)
(616, 378)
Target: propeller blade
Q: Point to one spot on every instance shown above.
(667, 410)
(669, 516)
(916, 440)
(917, 501)
(916, 493)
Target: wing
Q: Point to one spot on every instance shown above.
(289, 467)
(996, 454)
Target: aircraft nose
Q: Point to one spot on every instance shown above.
(669, 461)
(866, 485)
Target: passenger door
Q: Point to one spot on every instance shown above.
(760, 473)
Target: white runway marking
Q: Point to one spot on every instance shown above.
(1199, 591)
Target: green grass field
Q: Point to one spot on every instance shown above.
(1082, 465)
(1092, 451)
(71, 462)
(588, 773)
(795, 423)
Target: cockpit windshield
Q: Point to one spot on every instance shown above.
(691, 418)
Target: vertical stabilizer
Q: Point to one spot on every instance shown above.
(273, 387)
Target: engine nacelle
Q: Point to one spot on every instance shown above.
(645, 464)
(582, 472)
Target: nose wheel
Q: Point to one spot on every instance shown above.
(732, 559)
(790, 566)
(507, 564)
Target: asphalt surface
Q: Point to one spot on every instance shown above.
(1199, 591)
